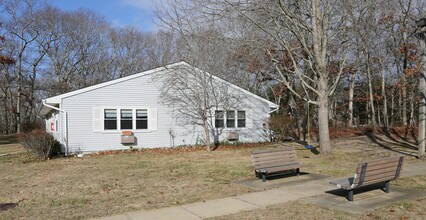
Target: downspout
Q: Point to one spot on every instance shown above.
(65, 124)
(278, 107)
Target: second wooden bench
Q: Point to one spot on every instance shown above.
(380, 171)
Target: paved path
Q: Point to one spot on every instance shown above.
(250, 201)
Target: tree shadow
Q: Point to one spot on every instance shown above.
(387, 144)
(305, 144)
(404, 138)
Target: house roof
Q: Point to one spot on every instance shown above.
(56, 100)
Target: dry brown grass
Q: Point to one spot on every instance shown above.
(103, 185)
(301, 210)
(10, 148)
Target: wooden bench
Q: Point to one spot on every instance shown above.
(380, 171)
(274, 161)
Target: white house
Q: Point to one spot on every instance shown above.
(94, 118)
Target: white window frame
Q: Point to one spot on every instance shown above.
(225, 118)
(119, 130)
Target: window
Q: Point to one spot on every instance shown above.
(141, 119)
(241, 119)
(126, 119)
(230, 119)
(219, 117)
(110, 119)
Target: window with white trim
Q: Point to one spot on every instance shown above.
(219, 117)
(110, 119)
(126, 119)
(241, 122)
(141, 119)
(230, 119)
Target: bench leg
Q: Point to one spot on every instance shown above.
(298, 172)
(263, 177)
(387, 187)
(350, 195)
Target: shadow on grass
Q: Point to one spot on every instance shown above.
(8, 139)
(305, 144)
(389, 134)
(388, 144)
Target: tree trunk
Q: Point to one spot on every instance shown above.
(412, 100)
(404, 84)
(324, 134)
(422, 100)
(379, 117)
(18, 98)
(351, 100)
(207, 130)
(370, 92)
(385, 102)
(6, 114)
(392, 115)
(319, 33)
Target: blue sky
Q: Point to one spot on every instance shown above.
(138, 13)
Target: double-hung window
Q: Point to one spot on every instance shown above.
(241, 115)
(126, 120)
(141, 119)
(110, 116)
(219, 117)
(230, 119)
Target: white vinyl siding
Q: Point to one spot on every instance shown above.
(86, 118)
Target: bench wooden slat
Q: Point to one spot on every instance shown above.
(379, 171)
(279, 168)
(272, 150)
(274, 154)
(268, 163)
(277, 160)
(382, 160)
(386, 175)
(259, 159)
(255, 160)
(381, 166)
(265, 166)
